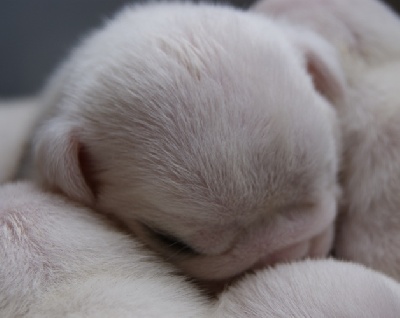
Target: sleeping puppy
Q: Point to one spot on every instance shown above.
(62, 260)
(206, 130)
(323, 288)
(368, 228)
(59, 260)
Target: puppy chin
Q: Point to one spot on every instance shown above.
(217, 272)
(284, 238)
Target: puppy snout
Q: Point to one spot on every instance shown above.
(294, 252)
(315, 247)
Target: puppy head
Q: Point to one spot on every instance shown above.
(207, 132)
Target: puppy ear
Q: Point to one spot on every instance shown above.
(322, 63)
(61, 161)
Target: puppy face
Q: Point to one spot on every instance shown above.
(207, 131)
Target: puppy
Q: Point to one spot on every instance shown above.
(206, 130)
(368, 227)
(62, 260)
(59, 259)
(323, 288)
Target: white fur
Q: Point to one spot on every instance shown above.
(367, 35)
(355, 27)
(201, 122)
(324, 288)
(369, 227)
(61, 260)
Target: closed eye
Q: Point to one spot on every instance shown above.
(171, 241)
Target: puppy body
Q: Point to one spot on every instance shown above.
(59, 260)
(172, 118)
(62, 260)
(368, 228)
(323, 288)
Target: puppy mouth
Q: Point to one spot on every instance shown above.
(291, 253)
(317, 246)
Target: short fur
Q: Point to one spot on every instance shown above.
(323, 288)
(205, 129)
(62, 260)
(17, 121)
(367, 35)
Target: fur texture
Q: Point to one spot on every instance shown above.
(324, 288)
(205, 129)
(368, 39)
(62, 260)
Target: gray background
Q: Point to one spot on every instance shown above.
(36, 34)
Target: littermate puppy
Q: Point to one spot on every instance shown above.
(62, 260)
(59, 259)
(319, 288)
(369, 227)
(206, 130)
(368, 39)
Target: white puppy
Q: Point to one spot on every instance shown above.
(312, 289)
(200, 128)
(369, 227)
(61, 260)
(367, 34)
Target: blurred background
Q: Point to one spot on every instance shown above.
(35, 35)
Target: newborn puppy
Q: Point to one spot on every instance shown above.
(59, 260)
(324, 288)
(368, 228)
(206, 130)
(62, 260)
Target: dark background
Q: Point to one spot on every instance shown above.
(36, 34)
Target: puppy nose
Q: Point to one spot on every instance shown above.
(291, 253)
